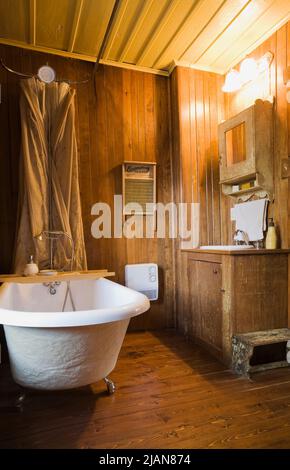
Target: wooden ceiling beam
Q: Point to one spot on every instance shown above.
(75, 25)
(84, 57)
(32, 22)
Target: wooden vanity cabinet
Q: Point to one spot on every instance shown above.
(234, 293)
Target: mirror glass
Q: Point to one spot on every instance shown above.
(236, 144)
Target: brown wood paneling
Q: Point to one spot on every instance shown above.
(127, 118)
(266, 85)
(197, 105)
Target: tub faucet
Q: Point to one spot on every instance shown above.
(241, 238)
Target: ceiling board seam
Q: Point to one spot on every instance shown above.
(156, 25)
(168, 13)
(201, 31)
(126, 34)
(222, 32)
(177, 32)
(32, 22)
(144, 11)
(75, 25)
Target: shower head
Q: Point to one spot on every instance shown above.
(46, 74)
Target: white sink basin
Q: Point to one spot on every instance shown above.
(227, 247)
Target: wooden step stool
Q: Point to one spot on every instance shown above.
(243, 350)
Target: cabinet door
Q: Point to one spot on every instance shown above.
(206, 302)
(210, 302)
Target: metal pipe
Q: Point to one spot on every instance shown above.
(106, 35)
(8, 69)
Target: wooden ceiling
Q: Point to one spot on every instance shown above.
(147, 34)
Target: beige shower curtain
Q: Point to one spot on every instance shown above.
(48, 159)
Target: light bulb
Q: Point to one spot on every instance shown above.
(263, 64)
(248, 70)
(232, 82)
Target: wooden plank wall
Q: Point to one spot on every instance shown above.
(269, 84)
(128, 118)
(197, 107)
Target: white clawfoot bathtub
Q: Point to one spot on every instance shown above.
(51, 349)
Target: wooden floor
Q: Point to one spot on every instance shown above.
(170, 394)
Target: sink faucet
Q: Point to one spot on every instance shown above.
(241, 238)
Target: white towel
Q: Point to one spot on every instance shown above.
(251, 218)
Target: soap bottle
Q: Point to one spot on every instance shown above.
(271, 237)
(31, 268)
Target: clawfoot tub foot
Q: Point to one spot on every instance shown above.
(111, 387)
(16, 405)
(20, 400)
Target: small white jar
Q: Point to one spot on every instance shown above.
(31, 268)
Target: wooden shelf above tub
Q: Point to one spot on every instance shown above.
(60, 276)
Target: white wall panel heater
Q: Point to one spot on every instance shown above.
(143, 278)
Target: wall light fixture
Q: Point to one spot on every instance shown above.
(249, 71)
(232, 82)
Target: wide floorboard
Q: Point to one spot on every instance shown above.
(170, 394)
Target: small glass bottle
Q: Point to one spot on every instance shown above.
(271, 237)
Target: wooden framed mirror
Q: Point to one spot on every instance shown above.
(246, 150)
(236, 146)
